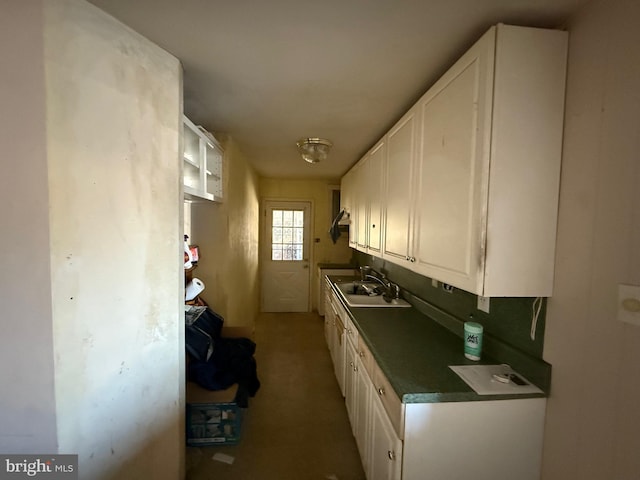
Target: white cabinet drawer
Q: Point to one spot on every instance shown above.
(351, 331)
(391, 402)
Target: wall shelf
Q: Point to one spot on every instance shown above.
(202, 164)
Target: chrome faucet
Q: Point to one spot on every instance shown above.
(392, 290)
(381, 281)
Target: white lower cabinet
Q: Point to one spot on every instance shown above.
(330, 329)
(385, 461)
(338, 345)
(350, 393)
(340, 355)
(364, 397)
(482, 440)
(358, 399)
(329, 321)
(350, 386)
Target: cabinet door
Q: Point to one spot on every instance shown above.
(328, 321)
(374, 185)
(453, 170)
(364, 390)
(347, 196)
(213, 170)
(361, 201)
(399, 172)
(386, 448)
(202, 176)
(331, 330)
(191, 174)
(340, 352)
(350, 385)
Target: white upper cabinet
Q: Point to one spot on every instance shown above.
(347, 202)
(452, 170)
(472, 170)
(362, 203)
(202, 164)
(363, 187)
(489, 165)
(373, 189)
(400, 187)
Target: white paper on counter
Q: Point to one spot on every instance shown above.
(480, 379)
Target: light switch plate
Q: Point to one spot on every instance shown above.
(483, 304)
(629, 304)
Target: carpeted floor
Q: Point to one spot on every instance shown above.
(296, 427)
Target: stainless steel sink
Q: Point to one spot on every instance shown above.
(367, 294)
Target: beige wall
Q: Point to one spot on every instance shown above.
(227, 234)
(319, 193)
(113, 128)
(94, 311)
(593, 418)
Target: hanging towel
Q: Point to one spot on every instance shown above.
(334, 231)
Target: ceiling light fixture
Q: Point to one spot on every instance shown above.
(313, 150)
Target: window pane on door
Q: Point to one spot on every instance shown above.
(276, 235)
(287, 234)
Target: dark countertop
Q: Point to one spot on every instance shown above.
(414, 352)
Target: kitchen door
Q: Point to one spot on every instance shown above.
(285, 256)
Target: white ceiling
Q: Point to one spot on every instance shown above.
(269, 72)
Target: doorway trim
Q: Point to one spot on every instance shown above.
(265, 241)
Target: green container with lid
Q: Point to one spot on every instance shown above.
(473, 340)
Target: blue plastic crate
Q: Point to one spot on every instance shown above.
(209, 419)
(213, 424)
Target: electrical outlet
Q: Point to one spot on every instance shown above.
(447, 288)
(434, 283)
(483, 304)
(629, 304)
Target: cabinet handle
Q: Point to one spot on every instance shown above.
(355, 368)
(373, 226)
(381, 391)
(412, 259)
(391, 455)
(361, 354)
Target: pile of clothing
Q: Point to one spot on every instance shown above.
(216, 362)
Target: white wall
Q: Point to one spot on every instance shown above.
(91, 260)
(113, 126)
(27, 402)
(593, 418)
